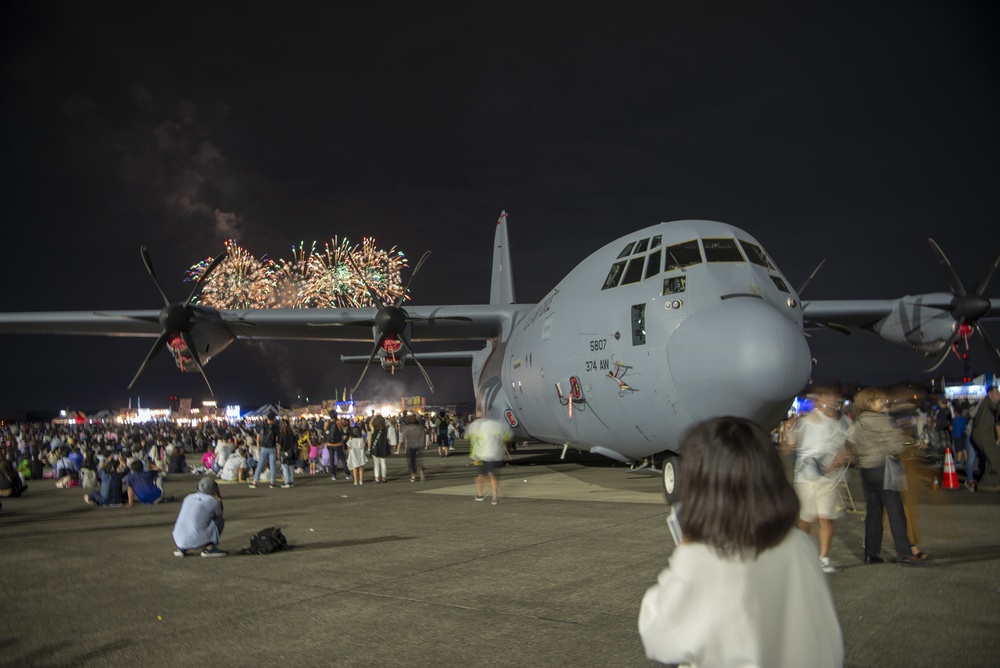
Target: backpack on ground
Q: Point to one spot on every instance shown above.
(267, 541)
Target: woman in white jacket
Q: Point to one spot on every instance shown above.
(744, 587)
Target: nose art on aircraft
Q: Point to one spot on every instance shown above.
(738, 357)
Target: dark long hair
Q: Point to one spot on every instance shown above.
(735, 494)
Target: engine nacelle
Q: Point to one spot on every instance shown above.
(210, 339)
(914, 322)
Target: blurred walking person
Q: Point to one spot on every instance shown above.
(876, 444)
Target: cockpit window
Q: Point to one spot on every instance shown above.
(616, 272)
(641, 246)
(722, 250)
(655, 243)
(634, 271)
(780, 284)
(683, 255)
(627, 250)
(653, 266)
(674, 285)
(757, 255)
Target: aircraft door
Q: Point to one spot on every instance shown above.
(516, 374)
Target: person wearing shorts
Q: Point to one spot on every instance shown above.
(819, 440)
(488, 440)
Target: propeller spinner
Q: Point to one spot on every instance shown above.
(391, 322)
(966, 309)
(176, 318)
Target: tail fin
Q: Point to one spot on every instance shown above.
(502, 286)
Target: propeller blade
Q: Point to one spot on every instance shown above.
(371, 292)
(200, 284)
(956, 285)
(815, 271)
(378, 344)
(943, 355)
(158, 345)
(361, 323)
(991, 348)
(420, 263)
(139, 318)
(460, 318)
(420, 366)
(985, 280)
(146, 260)
(189, 342)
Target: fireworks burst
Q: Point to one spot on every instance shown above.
(241, 281)
(307, 280)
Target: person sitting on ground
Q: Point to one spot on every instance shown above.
(236, 466)
(10, 480)
(199, 522)
(67, 474)
(110, 493)
(176, 462)
(141, 485)
(744, 587)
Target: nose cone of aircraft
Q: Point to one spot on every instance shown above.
(738, 357)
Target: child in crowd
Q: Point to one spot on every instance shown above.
(356, 458)
(744, 587)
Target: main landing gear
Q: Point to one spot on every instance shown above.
(671, 478)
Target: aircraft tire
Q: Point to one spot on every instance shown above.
(671, 478)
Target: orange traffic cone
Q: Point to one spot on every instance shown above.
(950, 480)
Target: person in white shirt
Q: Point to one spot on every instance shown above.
(820, 442)
(488, 445)
(744, 587)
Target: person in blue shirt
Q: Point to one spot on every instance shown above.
(111, 484)
(141, 485)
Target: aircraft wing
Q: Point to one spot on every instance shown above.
(431, 323)
(867, 313)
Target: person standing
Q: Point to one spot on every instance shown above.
(356, 458)
(267, 441)
(441, 424)
(819, 439)
(199, 523)
(335, 443)
(488, 439)
(985, 431)
(288, 452)
(875, 443)
(380, 447)
(744, 586)
(411, 437)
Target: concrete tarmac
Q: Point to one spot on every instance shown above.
(421, 574)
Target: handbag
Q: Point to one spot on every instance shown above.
(895, 476)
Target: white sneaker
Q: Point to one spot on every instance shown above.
(827, 565)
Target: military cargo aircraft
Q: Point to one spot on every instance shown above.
(666, 326)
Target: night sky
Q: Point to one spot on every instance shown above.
(851, 132)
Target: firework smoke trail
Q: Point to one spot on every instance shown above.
(241, 281)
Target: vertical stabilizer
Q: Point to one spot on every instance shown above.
(502, 287)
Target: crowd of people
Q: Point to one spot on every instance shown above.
(125, 464)
(745, 585)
